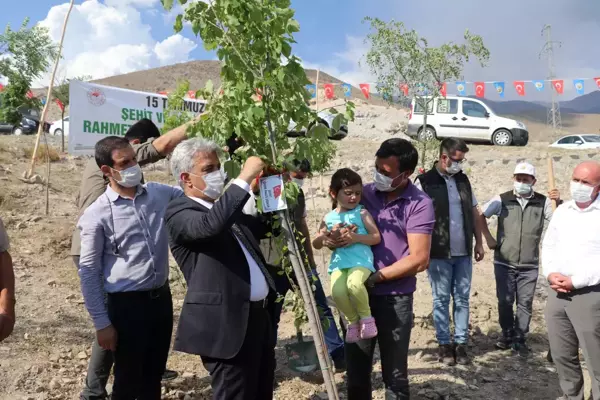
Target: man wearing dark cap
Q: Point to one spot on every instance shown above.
(150, 146)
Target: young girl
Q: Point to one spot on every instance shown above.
(350, 266)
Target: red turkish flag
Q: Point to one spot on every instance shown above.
(520, 87)
(480, 89)
(443, 89)
(30, 94)
(60, 104)
(277, 191)
(328, 90)
(404, 89)
(597, 81)
(559, 86)
(191, 94)
(1, 87)
(364, 87)
(164, 93)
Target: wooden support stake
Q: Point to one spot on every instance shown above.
(551, 183)
(49, 94)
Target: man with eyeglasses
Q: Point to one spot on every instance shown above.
(451, 266)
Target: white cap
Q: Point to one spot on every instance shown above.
(525, 168)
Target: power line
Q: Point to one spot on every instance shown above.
(553, 120)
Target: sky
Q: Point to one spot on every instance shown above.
(110, 37)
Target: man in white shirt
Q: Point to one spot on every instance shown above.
(571, 263)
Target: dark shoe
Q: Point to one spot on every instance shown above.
(503, 343)
(462, 357)
(340, 364)
(549, 357)
(446, 354)
(169, 375)
(521, 349)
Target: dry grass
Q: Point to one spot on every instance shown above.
(42, 154)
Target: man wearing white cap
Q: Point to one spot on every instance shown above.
(522, 214)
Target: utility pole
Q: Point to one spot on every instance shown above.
(553, 118)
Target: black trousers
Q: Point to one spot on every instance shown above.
(515, 284)
(144, 324)
(394, 317)
(249, 375)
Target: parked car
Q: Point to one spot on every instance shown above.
(325, 118)
(56, 127)
(29, 124)
(578, 142)
(465, 118)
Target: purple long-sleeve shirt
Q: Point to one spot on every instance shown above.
(411, 212)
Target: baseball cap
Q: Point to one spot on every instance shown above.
(525, 168)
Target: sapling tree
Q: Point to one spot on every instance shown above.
(262, 92)
(398, 57)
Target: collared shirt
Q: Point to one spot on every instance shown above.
(259, 289)
(494, 207)
(124, 245)
(4, 243)
(458, 244)
(571, 246)
(411, 213)
(94, 183)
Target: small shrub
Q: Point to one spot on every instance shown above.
(43, 153)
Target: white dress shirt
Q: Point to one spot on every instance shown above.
(259, 289)
(571, 246)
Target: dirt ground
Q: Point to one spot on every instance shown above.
(47, 355)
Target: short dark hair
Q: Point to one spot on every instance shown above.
(302, 165)
(105, 147)
(451, 145)
(342, 178)
(143, 130)
(403, 150)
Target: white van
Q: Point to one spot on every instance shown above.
(465, 118)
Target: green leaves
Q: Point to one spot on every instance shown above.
(293, 26)
(167, 4)
(178, 26)
(337, 122)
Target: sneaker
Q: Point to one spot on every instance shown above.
(446, 354)
(521, 349)
(503, 343)
(169, 375)
(368, 329)
(353, 333)
(462, 357)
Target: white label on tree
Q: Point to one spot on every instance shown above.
(97, 111)
(272, 193)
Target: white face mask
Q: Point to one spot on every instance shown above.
(522, 188)
(298, 182)
(130, 177)
(383, 183)
(454, 168)
(215, 182)
(581, 192)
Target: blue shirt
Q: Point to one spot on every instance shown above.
(354, 255)
(124, 245)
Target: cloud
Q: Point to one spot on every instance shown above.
(108, 39)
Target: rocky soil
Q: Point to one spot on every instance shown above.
(47, 355)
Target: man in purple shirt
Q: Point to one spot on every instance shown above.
(405, 218)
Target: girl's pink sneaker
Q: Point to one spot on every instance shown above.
(353, 333)
(368, 329)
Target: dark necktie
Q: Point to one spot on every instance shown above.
(244, 240)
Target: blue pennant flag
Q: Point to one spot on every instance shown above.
(579, 87)
(43, 101)
(312, 90)
(499, 88)
(539, 85)
(461, 87)
(347, 89)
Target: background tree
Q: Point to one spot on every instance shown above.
(262, 91)
(26, 55)
(60, 94)
(400, 56)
